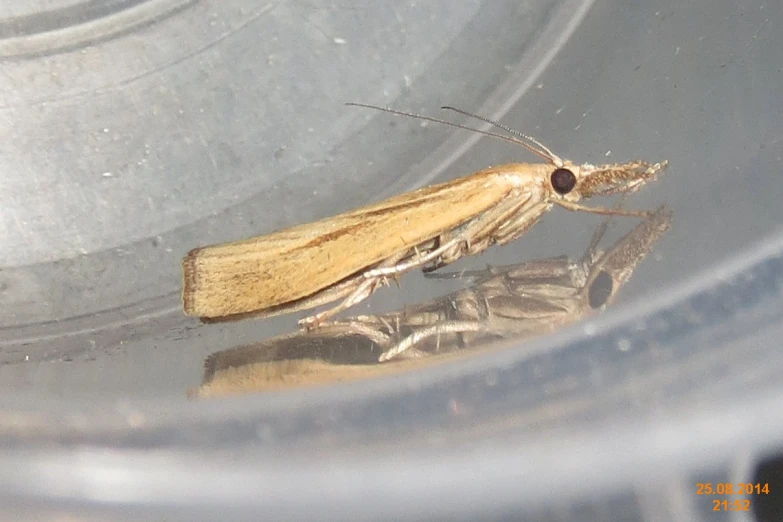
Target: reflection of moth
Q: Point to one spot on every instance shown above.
(530, 298)
(510, 302)
(347, 257)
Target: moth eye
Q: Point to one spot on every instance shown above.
(600, 290)
(563, 181)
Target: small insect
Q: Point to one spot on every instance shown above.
(347, 257)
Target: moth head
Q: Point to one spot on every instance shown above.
(565, 180)
(573, 182)
(610, 270)
(603, 180)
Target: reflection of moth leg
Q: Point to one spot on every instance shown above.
(438, 329)
(370, 330)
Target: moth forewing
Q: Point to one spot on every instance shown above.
(259, 273)
(345, 258)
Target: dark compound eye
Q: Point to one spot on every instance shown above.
(600, 290)
(563, 181)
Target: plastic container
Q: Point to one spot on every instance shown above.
(134, 131)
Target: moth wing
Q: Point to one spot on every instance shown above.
(264, 271)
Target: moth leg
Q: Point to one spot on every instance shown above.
(517, 226)
(436, 329)
(365, 289)
(373, 333)
(576, 207)
(417, 260)
(481, 233)
(454, 247)
(361, 288)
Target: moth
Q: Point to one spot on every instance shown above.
(512, 303)
(347, 257)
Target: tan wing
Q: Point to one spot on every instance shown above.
(264, 271)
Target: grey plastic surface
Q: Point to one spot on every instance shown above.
(134, 131)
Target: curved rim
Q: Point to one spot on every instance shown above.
(63, 29)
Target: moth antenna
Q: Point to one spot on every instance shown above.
(542, 151)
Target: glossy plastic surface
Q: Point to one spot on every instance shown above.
(134, 131)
